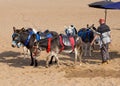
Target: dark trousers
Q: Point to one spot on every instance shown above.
(105, 53)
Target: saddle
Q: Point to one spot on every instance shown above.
(40, 36)
(86, 35)
(67, 41)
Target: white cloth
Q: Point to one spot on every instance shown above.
(34, 31)
(104, 39)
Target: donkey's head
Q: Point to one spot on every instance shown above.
(23, 36)
(16, 37)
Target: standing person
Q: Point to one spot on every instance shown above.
(104, 40)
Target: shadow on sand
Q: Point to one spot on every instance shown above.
(15, 59)
(94, 59)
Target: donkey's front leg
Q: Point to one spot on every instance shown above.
(32, 59)
(76, 53)
(35, 61)
(85, 49)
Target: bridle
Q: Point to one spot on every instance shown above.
(16, 39)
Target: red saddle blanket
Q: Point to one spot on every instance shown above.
(66, 41)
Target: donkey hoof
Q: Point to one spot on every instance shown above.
(35, 65)
(55, 61)
(46, 66)
(80, 64)
(58, 66)
(50, 62)
(31, 64)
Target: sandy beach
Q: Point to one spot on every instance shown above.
(15, 70)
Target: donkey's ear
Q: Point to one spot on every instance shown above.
(23, 29)
(14, 29)
(87, 25)
(92, 25)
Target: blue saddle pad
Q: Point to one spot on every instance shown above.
(43, 36)
(85, 34)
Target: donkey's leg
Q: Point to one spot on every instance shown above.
(32, 59)
(24, 52)
(35, 61)
(86, 47)
(47, 59)
(28, 52)
(56, 57)
(90, 49)
(76, 54)
(35, 52)
(80, 54)
(51, 60)
(80, 57)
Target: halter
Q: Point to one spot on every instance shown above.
(16, 41)
(15, 34)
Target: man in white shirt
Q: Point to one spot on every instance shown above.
(104, 40)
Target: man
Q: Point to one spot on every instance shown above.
(103, 32)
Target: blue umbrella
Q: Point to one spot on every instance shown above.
(100, 5)
(107, 4)
(115, 5)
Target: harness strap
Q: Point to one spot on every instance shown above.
(49, 45)
(72, 42)
(28, 39)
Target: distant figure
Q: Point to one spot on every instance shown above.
(104, 40)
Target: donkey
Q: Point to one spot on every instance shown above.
(87, 36)
(29, 40)
(61, 43)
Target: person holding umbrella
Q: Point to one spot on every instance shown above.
(103, 33)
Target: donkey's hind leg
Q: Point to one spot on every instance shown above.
(89, 49)
(32, 59)
(51, 60)
(80, 53)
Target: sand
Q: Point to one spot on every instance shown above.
(54, 15)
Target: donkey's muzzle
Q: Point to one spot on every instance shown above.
(13, 44)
